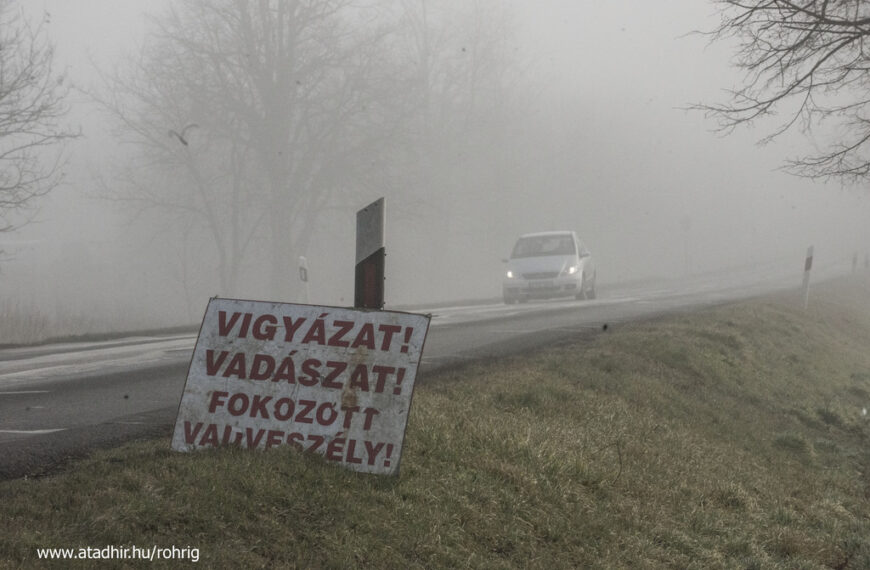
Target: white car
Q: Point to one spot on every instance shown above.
(549, 264)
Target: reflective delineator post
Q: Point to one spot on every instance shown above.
(370, 257)
(808, 264)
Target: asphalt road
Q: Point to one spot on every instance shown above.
(61, 401)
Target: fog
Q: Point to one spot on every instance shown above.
(574, 119)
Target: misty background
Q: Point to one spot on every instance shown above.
(207, 164)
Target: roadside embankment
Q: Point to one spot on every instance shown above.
(737, 436)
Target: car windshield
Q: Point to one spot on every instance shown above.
(537, 246)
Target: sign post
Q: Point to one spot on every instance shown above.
(370, 257)
(329, 380)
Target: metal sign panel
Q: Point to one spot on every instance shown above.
(334, 381)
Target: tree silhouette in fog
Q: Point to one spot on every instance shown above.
(807, 60)
(252, 119)
(273, 110)
(31, 110)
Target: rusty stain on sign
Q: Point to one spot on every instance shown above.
(329, 380)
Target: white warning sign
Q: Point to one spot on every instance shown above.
(328, 380)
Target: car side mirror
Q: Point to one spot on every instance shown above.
(584, 254)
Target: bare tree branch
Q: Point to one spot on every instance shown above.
(809, 59)
(31, 110)
(246, 111)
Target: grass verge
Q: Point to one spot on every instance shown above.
(728, 438)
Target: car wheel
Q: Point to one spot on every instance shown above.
(581, 294)
(591, 294)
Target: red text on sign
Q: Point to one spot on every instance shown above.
(285, 409)
(334, 374)
(322, 331)
(338, 448)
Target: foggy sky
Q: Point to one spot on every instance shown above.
(622, 164)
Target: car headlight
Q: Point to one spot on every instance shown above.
(570, 270)
(509, 274)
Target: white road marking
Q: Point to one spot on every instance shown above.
(26, 392)
(30, 431)
(17, 373)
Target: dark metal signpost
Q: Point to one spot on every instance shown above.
(370, 257)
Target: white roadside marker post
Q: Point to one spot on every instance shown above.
(303, 276)
(808, 265)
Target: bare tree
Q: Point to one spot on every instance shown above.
(256, 116)
(250, 120)
(466, 82)
(31, 109)
(810, 60)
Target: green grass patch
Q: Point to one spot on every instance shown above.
(729, 438)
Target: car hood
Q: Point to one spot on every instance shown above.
(543, 264)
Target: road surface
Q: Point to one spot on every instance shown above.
(62, 400)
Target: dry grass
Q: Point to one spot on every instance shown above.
(731, 438)
(23, 323)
